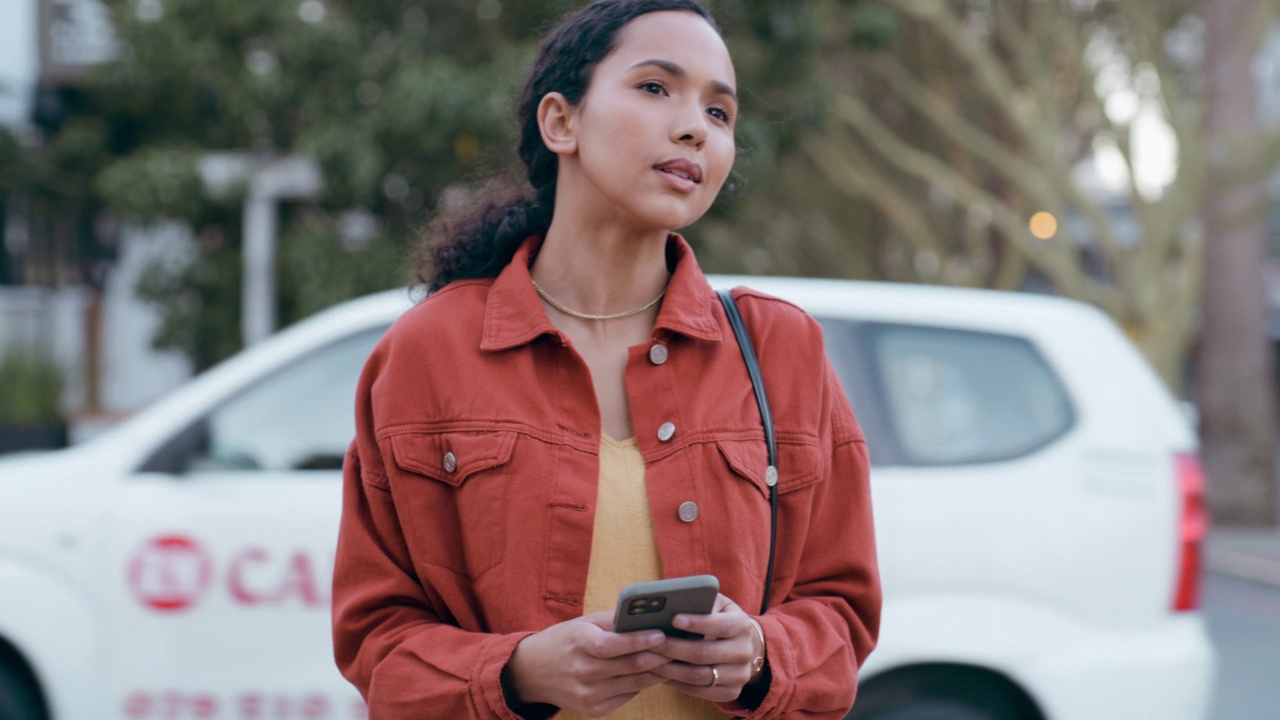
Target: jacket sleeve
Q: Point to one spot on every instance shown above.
(818, 636)
(389, 637)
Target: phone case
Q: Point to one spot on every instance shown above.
(651, 605)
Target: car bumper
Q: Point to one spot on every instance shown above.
(1165, 672)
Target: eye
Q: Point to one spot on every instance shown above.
(720, 114)
(653, 87)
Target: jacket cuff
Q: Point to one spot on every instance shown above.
(487, 686)
(769, 698)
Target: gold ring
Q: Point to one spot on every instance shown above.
(715, 676)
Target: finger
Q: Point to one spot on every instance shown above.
(629, 684)
(722, 625)
(605, 644)
(698, 680)
(718, 693)
(604, 707)
(602, 619)
(700, 675)
(723, 602)
(707, 652)
(633, 664)
(603, 698)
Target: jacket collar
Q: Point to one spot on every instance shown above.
(514, 316)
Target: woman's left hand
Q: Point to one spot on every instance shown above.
(718, 666)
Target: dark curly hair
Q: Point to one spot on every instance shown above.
(497, 219)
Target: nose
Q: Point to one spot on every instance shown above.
(691, 126)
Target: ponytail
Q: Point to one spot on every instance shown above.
(479, 239)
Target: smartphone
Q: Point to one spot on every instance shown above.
(652, 605)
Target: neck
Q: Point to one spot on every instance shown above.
(601, 271)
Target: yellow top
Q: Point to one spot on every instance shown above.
(624, 550)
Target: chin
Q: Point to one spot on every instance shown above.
(669, 218)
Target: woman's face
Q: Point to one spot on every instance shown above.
(654, 132)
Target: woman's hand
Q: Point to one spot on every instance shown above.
(580, 665)
(729, 646)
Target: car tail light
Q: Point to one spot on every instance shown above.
(1193, 523)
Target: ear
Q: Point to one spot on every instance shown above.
(557, 120)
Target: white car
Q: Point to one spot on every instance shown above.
(1037, 504)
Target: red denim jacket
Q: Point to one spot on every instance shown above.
(470, 492)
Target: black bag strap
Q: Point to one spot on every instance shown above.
(766, 418)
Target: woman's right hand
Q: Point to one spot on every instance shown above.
(582, 666)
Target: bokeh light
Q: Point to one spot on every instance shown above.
(1044, 225)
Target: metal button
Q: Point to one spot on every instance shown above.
(771, 476)
(658, 354)
(688, 511)
(450, 462)
(666, 431)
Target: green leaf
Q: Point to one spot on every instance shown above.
(153, 183)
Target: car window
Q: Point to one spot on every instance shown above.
(963, 397)
(937, 396)
(846, 347)
(300, 417)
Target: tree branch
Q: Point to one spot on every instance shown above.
(1150, 48)
(846, 167)
(1000, 88)
(1056, 260)
(1027, 53)
(1047, 185)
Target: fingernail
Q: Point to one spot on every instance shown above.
(681, 622)
(655, 638)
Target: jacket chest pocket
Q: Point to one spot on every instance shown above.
(799, 464)
(450, 493)
(800, 472)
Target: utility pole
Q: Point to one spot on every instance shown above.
(294, 177)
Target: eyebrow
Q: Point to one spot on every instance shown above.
(675, 70)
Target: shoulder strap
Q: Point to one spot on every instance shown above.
(766, 418)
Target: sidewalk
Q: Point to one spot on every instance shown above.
(1248, 554)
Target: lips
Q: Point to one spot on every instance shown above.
(686, 169)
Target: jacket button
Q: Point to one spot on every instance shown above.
(688, 511)
(450, 462)
(658, 354)
(666, 431)
(771, 476)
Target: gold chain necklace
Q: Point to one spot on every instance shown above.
(584, 316)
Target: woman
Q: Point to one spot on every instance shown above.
(568, 412)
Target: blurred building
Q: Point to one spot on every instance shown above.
(18, 61)
(67, 284)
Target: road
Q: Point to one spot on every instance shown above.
(1244, 620)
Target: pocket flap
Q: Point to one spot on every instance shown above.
(799, 465)
(452, 457)
(747, 458)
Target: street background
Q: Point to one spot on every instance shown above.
(1242, 606)
(179, 178)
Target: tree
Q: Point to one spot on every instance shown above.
(395, 100)
(969, 136)
(398, 100)
(1236, 367)
(62, 241)
(783, 217)
(988, 111)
